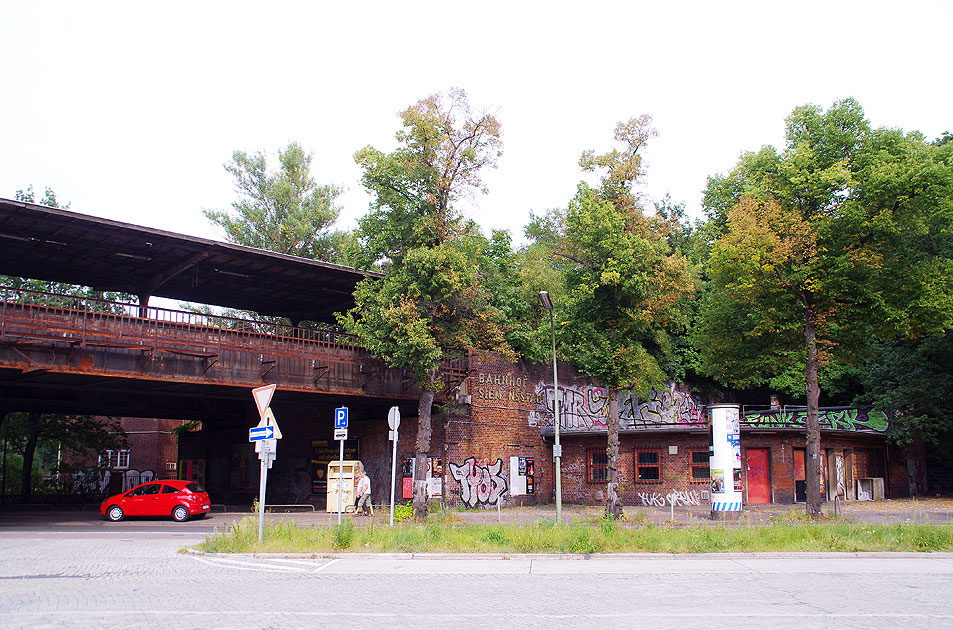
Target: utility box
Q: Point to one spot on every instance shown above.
(870, 489)
(341, 483)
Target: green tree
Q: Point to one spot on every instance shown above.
(625, 289)
(82, 436)
(431, 299)
(911, 377)
(285, 211)
(825, 244)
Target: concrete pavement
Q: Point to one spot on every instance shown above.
(142, 583)
(918, 510)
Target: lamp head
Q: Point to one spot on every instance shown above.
(544, 298)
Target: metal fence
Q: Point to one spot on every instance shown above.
(82, 320)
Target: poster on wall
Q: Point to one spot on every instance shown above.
(434, 477)
(407, 478)
(323, 452)
(734, 438)
(522, 476)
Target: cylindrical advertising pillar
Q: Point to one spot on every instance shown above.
(725, 462)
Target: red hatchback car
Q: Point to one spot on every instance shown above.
(179, 499)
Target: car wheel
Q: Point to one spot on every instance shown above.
(114, 513)
(180, 513)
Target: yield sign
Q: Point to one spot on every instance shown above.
(268, 420)
(262, 396)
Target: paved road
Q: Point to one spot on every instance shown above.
(134, 577)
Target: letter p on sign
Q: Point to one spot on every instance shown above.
(340, 418)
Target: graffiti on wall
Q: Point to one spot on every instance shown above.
(587, 409)
(675, 497)
(481, 483)
(847, 419)
(130, 478)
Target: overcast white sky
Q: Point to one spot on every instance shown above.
(128, 110)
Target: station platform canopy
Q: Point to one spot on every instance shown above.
(64, 246)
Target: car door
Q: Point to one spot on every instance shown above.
(169, 499)
(143, 501)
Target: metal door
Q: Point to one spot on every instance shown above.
(759, 475)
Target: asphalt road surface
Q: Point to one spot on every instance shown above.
(133, 575)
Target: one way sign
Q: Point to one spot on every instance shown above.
(261, 433)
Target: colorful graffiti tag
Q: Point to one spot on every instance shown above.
(481, 483)
(587, 408)
(846, 419)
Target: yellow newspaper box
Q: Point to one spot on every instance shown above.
(341, 482)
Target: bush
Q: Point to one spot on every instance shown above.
(403, 512)
(344, 534)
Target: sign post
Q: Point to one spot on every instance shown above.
(340, 434)
(265, 436)
(393, 421)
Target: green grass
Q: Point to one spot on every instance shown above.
(443, 533)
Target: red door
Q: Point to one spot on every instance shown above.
(759, 479)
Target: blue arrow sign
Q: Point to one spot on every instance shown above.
(261, 433)
(340, 418)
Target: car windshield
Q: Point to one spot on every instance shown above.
(194, 487)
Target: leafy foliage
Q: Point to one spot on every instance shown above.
(432, 297)
(37, 437)
(843, 235)
(623, 287)
(285, 211)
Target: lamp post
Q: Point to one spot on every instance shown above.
(557, 448)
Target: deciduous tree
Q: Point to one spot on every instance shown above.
(431, 299)
(836, 238)
(625, 289)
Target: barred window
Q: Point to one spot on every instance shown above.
(648, 465)
(597, 465)
(700, 472)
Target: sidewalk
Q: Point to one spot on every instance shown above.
(923, 510)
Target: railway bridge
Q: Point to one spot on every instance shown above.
(84, 354)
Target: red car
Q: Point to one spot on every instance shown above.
(179, 499)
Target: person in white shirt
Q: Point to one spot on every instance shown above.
(363, 493)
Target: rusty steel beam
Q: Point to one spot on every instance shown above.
(64, 334)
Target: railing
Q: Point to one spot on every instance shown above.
(81, 320)
(94, 321)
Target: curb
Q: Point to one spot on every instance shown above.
(734, 555)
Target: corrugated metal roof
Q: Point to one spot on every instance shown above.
(64, 246)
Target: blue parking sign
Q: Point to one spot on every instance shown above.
(340, 418)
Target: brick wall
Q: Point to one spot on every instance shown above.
(674, 469)
(502, 396)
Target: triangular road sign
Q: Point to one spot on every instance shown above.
(269, 420)
(262, 396)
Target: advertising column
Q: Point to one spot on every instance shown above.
(725, 462)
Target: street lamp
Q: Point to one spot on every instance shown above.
(557, 448)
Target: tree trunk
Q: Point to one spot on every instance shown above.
(613, 502)
(424, 432)
(26, 480)
(813, 390)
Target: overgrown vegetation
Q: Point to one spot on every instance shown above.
(443, 534)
